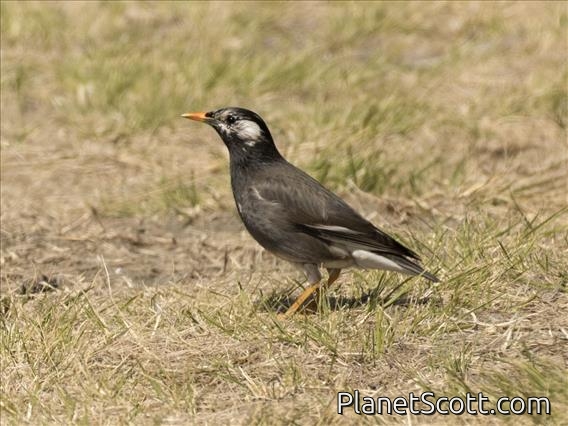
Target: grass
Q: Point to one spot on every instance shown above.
(130, 292)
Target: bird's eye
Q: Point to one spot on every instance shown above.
(231, 119)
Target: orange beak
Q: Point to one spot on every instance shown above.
(197, 116)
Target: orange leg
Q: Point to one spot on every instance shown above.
(300, 300)
(333, 275)
(314, 288)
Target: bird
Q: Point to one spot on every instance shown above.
(293, 216)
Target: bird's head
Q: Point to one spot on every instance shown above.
(243, 131)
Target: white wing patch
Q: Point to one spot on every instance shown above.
(334, 228)
(257, 194)
(260, 197)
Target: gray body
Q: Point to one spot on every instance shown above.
(292, 215)
(315, 228)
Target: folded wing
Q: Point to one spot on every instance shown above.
(314, 210)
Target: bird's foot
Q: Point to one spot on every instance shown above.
(312, 305)
(309, 307)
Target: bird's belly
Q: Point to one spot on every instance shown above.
(338, 264)
(267, 224)
(292, 246)
(269, 239)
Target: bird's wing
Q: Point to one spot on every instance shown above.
(315, 210)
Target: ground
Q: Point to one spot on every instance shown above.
(130, 292)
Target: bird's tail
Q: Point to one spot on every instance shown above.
(412, 268)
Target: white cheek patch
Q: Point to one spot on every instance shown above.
(223, 128)
(249, 131)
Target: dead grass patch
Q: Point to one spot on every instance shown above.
(444, 123)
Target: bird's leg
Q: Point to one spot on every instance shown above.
(313, 289)
(301, 299)
(333, 274)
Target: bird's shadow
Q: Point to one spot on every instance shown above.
(279, 302)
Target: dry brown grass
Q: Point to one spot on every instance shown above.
(130, 292)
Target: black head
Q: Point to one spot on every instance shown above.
(243, 131)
